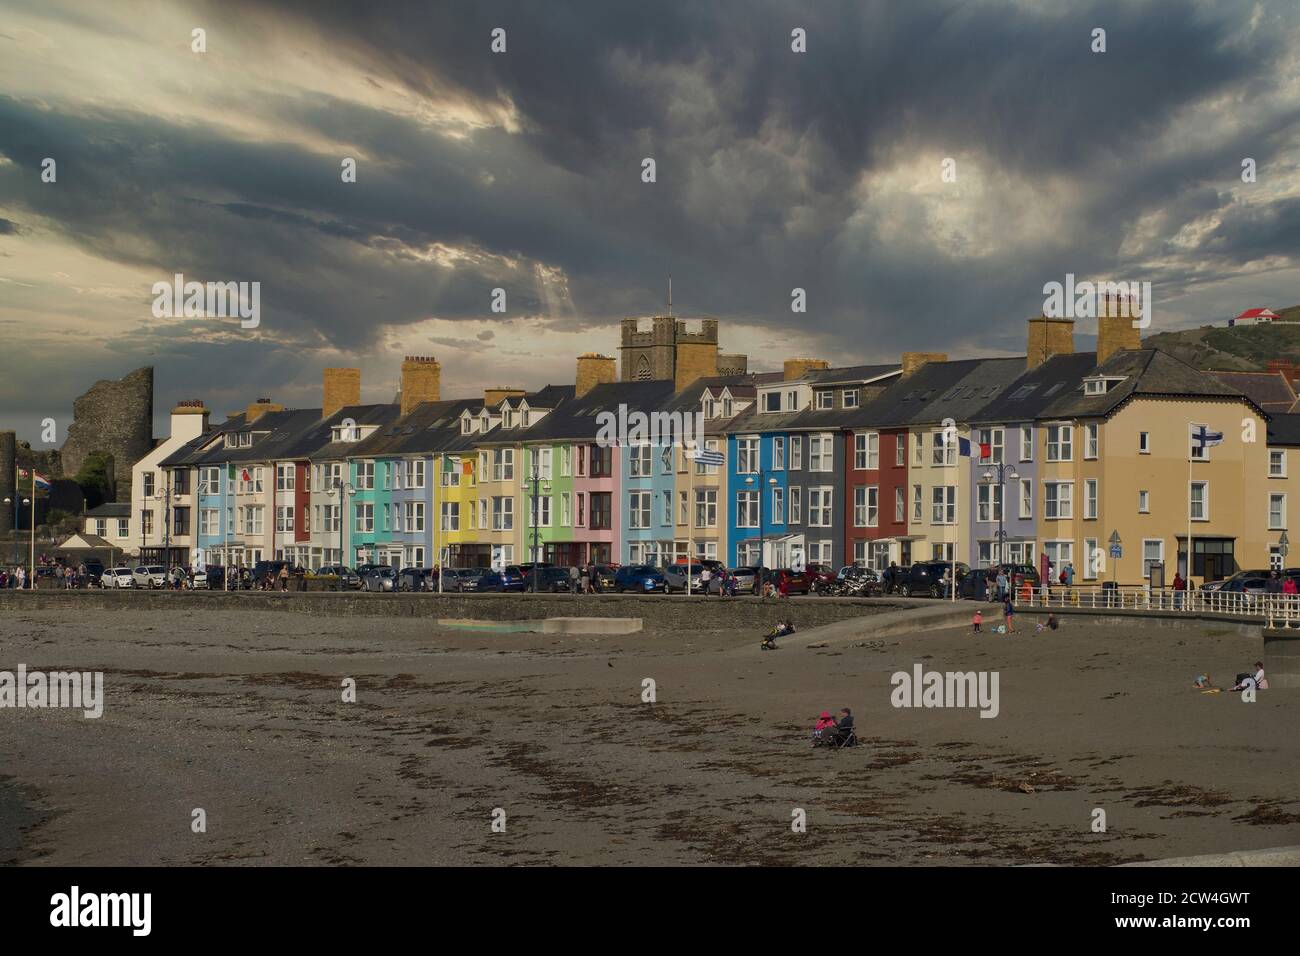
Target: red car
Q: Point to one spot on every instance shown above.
(796, 582)
(820, 576)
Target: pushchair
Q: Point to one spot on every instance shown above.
(769, 640)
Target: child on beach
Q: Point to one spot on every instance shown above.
(979, 619)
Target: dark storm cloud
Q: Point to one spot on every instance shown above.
(769, 167)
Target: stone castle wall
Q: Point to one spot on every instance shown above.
(114, 417)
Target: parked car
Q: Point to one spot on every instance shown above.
(379, 578)
(117, 578)
(211, 578)
(978, 584)
(548, 579)
(1019, 574)
(94, 568)
(264, 569)
(1246, 582)
(927, 578)
(640, 577)
(820, 577)
(509, 578)
(605, 577)
(467, 579)
(150, 576)
(677, 576)
(416, 579)
(796, 582)
(747, 578)
(342, 575)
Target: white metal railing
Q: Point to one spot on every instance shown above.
(1277, 610)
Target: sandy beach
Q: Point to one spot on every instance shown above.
(242, 715)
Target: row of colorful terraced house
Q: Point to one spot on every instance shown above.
(1054, 453)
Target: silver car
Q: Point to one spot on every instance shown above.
(675, 575)
(117, 578)
(379, 579)
(150, 576)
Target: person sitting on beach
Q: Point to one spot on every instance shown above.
(1260, 680)
(842, 732)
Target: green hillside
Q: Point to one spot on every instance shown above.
(1243, 348)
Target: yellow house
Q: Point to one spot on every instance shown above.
(1155, 451)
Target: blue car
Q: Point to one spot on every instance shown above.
(510, 578)
(641, 578)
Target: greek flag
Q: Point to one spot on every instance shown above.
(1202, 437)
(707, 457)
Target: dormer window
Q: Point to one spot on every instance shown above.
(467, 426)
(825, 399)
(771, 401)
(726, 407)
(507, 419)
(710, 408)
(344, 433)
(1100, 385)
(245, 439)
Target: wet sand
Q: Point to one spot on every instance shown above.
(241, 714)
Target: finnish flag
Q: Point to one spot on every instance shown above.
(1203, 438)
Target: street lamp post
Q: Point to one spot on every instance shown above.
(343, 491)
(30, 502)
(999, 479)
(536, 480)
(762, 531)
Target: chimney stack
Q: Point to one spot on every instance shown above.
(1115, 318)
(492, 397)
(259, 408)
(911, 361)
(593, 369)
(1048, 337)
(342, 388)
(421, 381)
(797, 367)
(190, 418)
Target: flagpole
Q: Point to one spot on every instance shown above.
(690, 509)
(1189, 509)
(32, 575)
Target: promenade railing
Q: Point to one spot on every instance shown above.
(1276, 610)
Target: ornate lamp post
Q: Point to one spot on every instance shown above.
(762, 531)
(998, 479)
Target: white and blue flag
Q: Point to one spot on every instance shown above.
(1203, 438)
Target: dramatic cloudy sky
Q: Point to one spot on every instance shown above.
(522, 170)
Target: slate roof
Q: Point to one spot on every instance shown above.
(576, 418)
(1269, 390)
(1284, 430)
(1024, 399)
(850, 374)
(429, 427)
(937, 390)
(110, 509)
(1147, 372)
